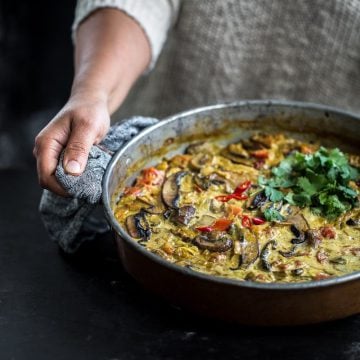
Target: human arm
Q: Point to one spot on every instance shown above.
(111, 52)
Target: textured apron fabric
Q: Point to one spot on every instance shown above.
(239, 49)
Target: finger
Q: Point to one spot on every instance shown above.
(78, 147)
(47, 152)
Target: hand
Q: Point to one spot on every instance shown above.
(82, 122)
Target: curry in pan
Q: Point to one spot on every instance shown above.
(269, 208)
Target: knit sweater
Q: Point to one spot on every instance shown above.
(210, 51)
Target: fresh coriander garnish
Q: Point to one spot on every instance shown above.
(319, 180)
(273, 215)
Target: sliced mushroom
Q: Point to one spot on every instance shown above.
(265, 252)
(202, 146)
(299, 240)
(298, 221)
(237, 159)
(257, 201)
(250, 249)
(200, 160)
(353, 219)
(238, 150)
(138, 227)
(216, 207)
(214, 241)
(171, 189)
(131, 227)
(184, 214)
(249, 245)
(250, 145)
(217, 179)
(353, 222)
(297, 272)
(314, 238)
(290, 253)
(204, 182)
(265, 140)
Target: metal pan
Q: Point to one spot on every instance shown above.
(237, 301)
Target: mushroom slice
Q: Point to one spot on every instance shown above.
(200, 160)
(238, 150)
(204, 182)
(214, 241)
(298, 221)
(313, 236)
(290, 253)
(171, 189)
(202, 146)
(184, 214)
(217, 207)
(352, 219)
(250, 249)
(265, 140)
(257, 201)
(138, 227)
(250, 145)
(265, 252)
(237, 159)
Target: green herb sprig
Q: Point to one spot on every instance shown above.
(319, 181)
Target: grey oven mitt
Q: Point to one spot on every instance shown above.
(71, 221)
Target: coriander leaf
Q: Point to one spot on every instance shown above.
(273, 194)
(273, 215)
(305, 184)
(319, 181)
(302, 199)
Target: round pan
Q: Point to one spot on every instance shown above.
(237, 301)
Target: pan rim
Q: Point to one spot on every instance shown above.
(316, 284)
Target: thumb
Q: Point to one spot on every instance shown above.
(77, 149)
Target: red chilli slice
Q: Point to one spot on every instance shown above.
(258, 221)
(219, 225)
(238, 193)
(246, 222)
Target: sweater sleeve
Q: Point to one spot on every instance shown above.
(155, 18)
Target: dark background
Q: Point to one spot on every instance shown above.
(35, 71)
(86, 307)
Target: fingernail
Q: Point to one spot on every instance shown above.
(73, 167)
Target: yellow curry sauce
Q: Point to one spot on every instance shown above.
(235, 212)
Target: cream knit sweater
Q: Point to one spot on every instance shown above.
(209, 51)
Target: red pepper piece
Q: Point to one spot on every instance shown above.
(328, 232)
(258, 221)
(226, 198)
(242, 187)
(223, 198)
(133, 190)
(237, 194)
(246, 222)
(151, 176)
(219, 225)
(204, 228)
(260, 154)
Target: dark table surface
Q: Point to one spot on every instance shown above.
(86, 307)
